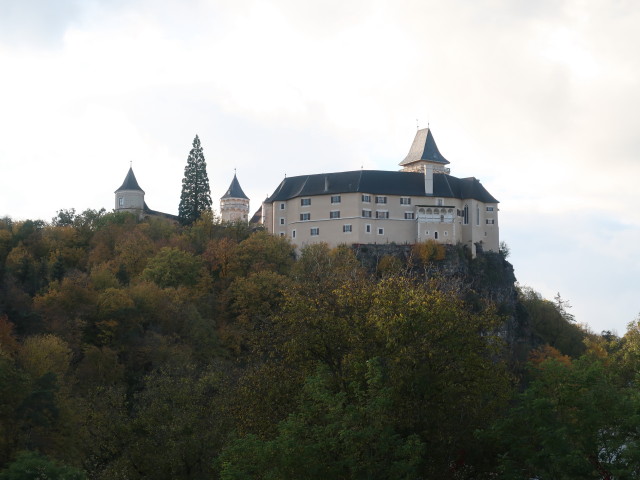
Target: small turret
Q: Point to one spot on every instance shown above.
(234, 204)
(130, 197)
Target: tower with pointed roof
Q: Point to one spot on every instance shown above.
(423, 153)
(234, 204)
(424, 157)
(130, 197)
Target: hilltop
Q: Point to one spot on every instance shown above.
(145, 349)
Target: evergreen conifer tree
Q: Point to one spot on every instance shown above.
(196, 194)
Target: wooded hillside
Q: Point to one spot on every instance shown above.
(133, 350)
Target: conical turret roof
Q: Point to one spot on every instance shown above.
(130, 182)
(235, 191)
(424, 148)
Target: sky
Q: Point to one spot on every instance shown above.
(539, 100)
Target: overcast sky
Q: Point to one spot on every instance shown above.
(537, 99)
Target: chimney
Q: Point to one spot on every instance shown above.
(428, 179)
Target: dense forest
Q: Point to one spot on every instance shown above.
(145, 349)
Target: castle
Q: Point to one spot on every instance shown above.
(420, 202)
(234, 204)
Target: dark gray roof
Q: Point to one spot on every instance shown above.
(424, 148)
(257, 217)
(235, 191)
(130, 182)
(155, 213)
(379, 182)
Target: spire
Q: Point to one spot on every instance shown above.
(234, 190)
(424, 148)
(130, 182)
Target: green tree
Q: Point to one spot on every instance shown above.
(445, 373)
(196, 194)
(14, 388)
(172, 267)
(33, 466)
(551, 324)
(176, 427)
(575, 420)
(44, 353)
(332, 434)
(262, 251)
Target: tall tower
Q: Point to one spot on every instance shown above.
(234, 204)
(130, 197)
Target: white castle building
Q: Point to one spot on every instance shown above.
(420, 202)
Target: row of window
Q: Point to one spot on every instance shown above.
(336, 199)
(315, 231)
(381, 199)
(347, 228)
(382, 214)
(304, 217)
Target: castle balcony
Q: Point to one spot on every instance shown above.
(436, 214)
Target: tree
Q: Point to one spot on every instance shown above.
(33, 466)
(172, 267)
(177, 425)
(262, 251)
(331, 435)
(575, 420)
(196, 194)
(444, 370)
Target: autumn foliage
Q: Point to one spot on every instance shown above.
(133, 350)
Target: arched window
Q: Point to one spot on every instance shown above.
(465, 215)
